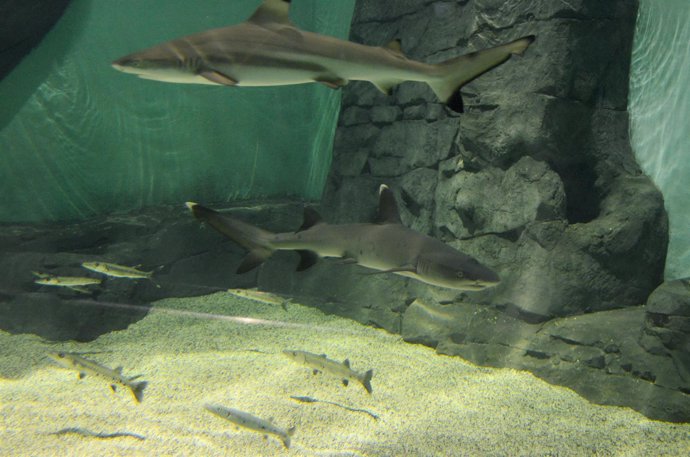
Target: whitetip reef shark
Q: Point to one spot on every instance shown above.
(386, 246)
(268, 50)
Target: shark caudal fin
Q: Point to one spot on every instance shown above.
(366, 380)
(252, 238)
(137, 389)
(458, 71)
(287, 437)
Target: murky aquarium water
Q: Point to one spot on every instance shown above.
(344, 228)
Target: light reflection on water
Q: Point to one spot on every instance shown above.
(659, 107)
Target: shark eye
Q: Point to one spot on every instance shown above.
(459, 274)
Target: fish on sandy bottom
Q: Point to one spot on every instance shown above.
(251, 422)
(268, 50)
(114, 377)
(118, 271)
(319, 363)
(76, 283)
(260, 296)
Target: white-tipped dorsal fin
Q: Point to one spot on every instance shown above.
(388, 208)
(272, 11)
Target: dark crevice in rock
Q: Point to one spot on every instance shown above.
(583, 198)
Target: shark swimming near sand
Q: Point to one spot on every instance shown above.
(268, 50)
(386, 246)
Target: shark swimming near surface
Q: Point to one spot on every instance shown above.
(386, 246)
(268, 50)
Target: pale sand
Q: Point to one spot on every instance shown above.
(428, 404)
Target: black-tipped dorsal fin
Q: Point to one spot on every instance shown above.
(311, 218)
(388, 208)
(272, 11)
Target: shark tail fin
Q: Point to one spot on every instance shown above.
(366, 380)
(287, 438)
(138, 390)
(458, 71)
(253, 239)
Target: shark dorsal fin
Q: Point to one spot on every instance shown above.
(388, 208)
(395, 46)
(346, 362)
(311, 218)
(276, 11)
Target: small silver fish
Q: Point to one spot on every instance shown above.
(84, 366)
(76, 283)
(321, 363)
(117, 271)
(260, 296)
(251, 422)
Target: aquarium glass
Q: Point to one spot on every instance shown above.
(78, 138)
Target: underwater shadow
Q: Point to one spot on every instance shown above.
(57, 318)
(31, 71)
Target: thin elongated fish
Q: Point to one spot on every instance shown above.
(319, 363)
(251, 422)
(386, 246)
(268, 50)
(117, 271)
(75, 283)
(260, 296)
(85, 366)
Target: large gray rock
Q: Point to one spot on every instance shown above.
(536, 179)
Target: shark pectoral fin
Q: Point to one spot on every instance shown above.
(218, 78)
(307, 259)
(253, 260)
(332, 82)
(403, 269)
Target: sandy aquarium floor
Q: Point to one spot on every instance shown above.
(192, 354)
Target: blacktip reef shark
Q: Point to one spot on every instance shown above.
(386, 246)
(268, 50)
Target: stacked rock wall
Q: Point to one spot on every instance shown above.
(536, 179)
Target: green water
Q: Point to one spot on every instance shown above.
(79, 138)
(659, 110)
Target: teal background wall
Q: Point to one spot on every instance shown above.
(78, 138)
(660, 115)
